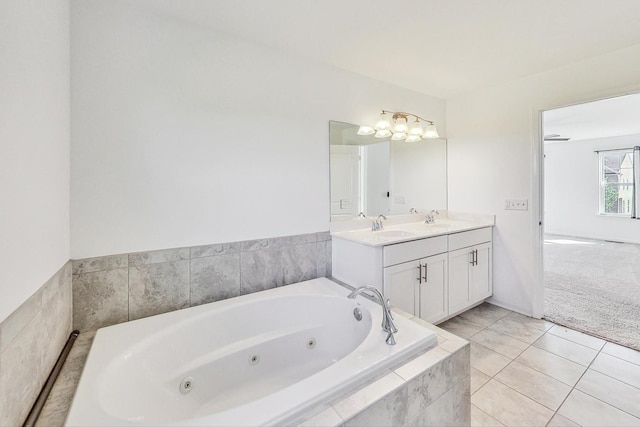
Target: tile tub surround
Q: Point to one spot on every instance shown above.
(31, 340)
(431, 389)
(117, 288)
(58, 403)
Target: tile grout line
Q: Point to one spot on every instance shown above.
(555, 354)
(540, 372)
(128, 292)
(529, 345)
(189, 280)
(574, 387)
(497, 373)
(608, 376)
(520, 393)
(513, 360)
(620, 358)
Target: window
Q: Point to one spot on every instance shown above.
(616, 182)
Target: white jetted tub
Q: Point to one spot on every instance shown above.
(259, 359)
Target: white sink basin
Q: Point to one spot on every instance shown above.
(404, 232)
(394, 233)
(437, 226)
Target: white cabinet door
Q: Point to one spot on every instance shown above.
(459, 278)
(401, 286)
(433, 289)
(481, 273)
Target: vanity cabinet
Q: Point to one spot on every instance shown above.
(419, 287)
(452, 273)
(434, 278)
(415, 276)
(469, 268)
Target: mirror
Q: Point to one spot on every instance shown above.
(379, 176)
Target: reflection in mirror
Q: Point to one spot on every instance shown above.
(379, 176)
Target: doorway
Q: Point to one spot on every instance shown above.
(591, 243)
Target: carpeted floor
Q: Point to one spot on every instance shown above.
(593, 286)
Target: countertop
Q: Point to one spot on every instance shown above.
(408, 231)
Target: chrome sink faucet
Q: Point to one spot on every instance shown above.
(377, 224)
(387, 318)
(430, 219)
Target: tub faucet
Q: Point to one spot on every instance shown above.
(430, 219)
(387, 318)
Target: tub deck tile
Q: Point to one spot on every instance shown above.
(327, 418)
(366, 396)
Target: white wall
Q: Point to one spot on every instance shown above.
(34, 146)
(572, 191)
(182, 136)
(492, 135)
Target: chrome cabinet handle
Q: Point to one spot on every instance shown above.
(474, 257)
(425, 273)
(419, 273)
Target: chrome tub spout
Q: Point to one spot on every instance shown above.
(387, 319)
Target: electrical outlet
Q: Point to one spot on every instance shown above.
(516, 205)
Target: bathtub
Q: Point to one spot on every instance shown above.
(260, 359)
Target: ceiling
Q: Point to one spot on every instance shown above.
(441, 48)
(599, 119)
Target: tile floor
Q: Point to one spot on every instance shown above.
(530, 372)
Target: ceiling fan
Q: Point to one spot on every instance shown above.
(556, 137)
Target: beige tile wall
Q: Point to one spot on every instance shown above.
(114, 289)
(31, 340)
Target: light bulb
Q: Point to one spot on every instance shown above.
(366, 130)
(413, 138)
(398, 136)
(431, 131)
(385, 133)
(416, 128)
(383, 122)
(400, 124)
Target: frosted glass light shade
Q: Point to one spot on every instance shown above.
(400, 125)
(416, 129)
(383, 123)
(398, 136)
(413, 138)
(366, 130)
(385, 133)
(431, 132)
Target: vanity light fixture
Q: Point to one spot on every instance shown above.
(395, 124)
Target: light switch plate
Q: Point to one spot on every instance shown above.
(517, 205)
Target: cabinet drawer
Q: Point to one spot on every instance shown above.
(408, 251)
(469, 238)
